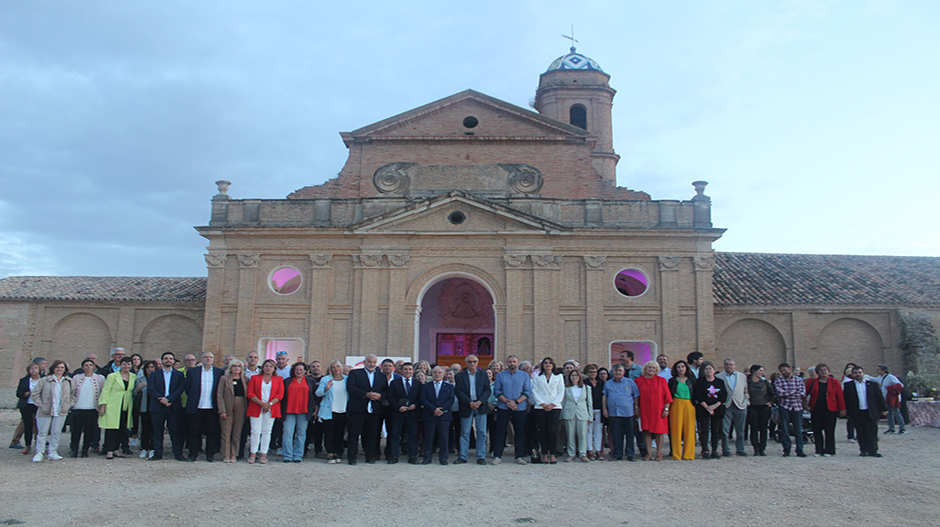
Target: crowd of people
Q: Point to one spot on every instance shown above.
(246, 410)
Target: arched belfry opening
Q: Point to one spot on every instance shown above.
(456, 319)
(577, 116)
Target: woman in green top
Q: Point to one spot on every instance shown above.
(682, 413)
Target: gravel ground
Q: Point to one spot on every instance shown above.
(898, 489)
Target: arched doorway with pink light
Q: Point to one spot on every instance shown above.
(456, 319)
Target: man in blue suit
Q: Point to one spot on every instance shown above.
(404, 396)
(202, 415)
(366, 388)
(437, 397)
(165, 387)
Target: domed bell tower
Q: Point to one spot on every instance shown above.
(575, 90)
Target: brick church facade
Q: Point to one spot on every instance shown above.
(470, 225)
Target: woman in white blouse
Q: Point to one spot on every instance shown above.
(578, 412)
(548, 392)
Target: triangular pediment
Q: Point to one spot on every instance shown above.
(456, 212)
(449, 117)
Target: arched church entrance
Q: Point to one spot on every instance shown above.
(456, 319)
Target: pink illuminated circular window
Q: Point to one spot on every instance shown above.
(631, 282)
(285, 280)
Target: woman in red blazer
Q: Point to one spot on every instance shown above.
(265, 392)
(826, 403)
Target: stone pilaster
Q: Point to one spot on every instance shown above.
(319, 282)
(704, 305)
(669, 286)
(211, 333)
(595, 275)
(244, 318)
(397, 288)
(367, 267)
(515, 273)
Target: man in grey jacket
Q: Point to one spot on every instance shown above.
(735, 408)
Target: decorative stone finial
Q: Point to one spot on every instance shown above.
(223, 190)
(700, 188)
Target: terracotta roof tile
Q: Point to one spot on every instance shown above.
(825, 279)
(127, 288)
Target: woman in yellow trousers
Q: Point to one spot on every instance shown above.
(682, 413)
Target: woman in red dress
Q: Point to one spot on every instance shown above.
(654, 408)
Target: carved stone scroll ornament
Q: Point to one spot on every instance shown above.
(321, 260)
(392, 177)
(248, 260)
(399, 260)
(367, 260)
(514, 260)
(523, 179)
(546, 261)
(669, 263)
(215, 259)
(704, 263)
(595, 262)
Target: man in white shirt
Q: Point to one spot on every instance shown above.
(202, 415)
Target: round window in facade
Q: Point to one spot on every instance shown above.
(456, 217)
(631, 282)
(285, 280)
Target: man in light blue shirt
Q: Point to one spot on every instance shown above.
(619, 404)
(512, 388)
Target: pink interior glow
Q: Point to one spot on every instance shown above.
(286, 280)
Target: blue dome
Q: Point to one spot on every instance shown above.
(574, 61)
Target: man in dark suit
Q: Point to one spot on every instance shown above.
(366, 388)
(437, 397)
(865, 404)
(472, 387)
(165, 387)
(404, 396)
(202, 415)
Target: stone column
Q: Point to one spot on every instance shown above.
(669, 285)
(244, 318)
(397, 288)
(704, 305)
(594, 271)
(367, 267)
(320, 285)
(515, 272)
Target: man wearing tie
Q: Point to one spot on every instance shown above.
(437, 397)
(404, 395)
(366, 388)
(166, 406)
(472, 388)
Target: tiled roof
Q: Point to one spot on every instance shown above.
(824, 279)
(127, 288)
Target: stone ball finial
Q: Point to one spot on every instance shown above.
(223, 189)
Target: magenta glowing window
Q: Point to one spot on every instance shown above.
(285, 280)
(631, 282)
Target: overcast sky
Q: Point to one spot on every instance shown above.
(816, 123)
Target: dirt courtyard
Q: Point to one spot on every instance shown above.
(899, 489)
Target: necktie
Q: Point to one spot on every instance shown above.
(437, 389)
(407, 385)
